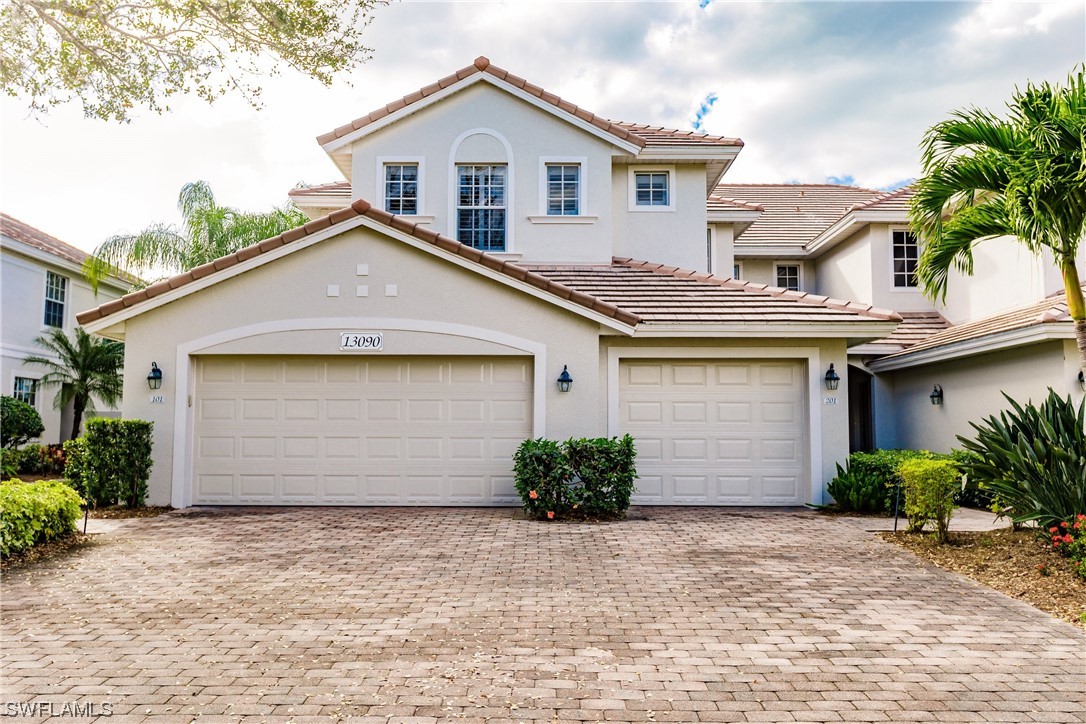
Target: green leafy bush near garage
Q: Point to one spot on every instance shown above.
(111, 463)
(869, 481)
(583, 478)
(929, 486)
(33, 513)
(1033, 457)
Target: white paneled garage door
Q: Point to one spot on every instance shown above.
(359, 431)
(717, 432)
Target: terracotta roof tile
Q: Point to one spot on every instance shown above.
(914, 328)
(793, 213)
(721, 203)
(640, 135)
(360, 208)
(660, 294)
(1050, 310)
(897, 200)
(25, 233)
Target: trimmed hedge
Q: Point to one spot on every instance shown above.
(929, 493)
(32, 513)
(580, 478)
(111, 463)
(19, 422)
(869, 480)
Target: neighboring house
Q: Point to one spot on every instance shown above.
(372, 358)
(42, 287)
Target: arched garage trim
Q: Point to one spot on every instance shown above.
(181, 488)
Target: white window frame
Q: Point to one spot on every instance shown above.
(893, 270)
(507, 207)
(631, 184)
(510, 187)
(64, 304)
(799, 273)
(420, 161)
(33, 392)
(582, 216)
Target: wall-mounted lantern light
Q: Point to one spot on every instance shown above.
(564, 380)
(1082, 380)
(936, 395)
(832, 378)
(154, 378)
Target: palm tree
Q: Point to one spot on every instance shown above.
(209, 232)
(1023, 176)
(85, 368)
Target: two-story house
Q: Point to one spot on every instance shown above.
(499, 264)
(42, 288)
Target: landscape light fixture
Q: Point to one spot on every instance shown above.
(564, 380)
(936, 395)
(832, 378)
(154, 378)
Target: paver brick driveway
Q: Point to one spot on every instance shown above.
(418, 615)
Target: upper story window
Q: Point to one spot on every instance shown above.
(737, 271)
(56, 293)
(481, 206)
(652, 188)
(25, 390)
(906, 252)
(788, 276)
(563, 189)
(402, 188)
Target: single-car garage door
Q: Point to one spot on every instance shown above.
(359, 431)
(716, 432)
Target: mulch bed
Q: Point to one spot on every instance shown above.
(1016, 563)
(45, 551)
(118, 512)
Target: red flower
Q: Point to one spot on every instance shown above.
(1063, 523)
(532, 494)
(1067, 538)
(550, 514)
(1053, 529)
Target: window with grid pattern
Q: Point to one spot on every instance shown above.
(788, 276)
(651, 188)
(481, 206)
(906, 253)
(402, 188)
(563, 189)
(25, 390)
(56, 291)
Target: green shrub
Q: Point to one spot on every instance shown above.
(111, 463)
(585, 478)
(32, 513)
(41, 460)
(1033, 459)
(857, 490)
(19, 422)
(973, 494)
(929, 487)
(9, 463)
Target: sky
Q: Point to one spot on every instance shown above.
(821, 92)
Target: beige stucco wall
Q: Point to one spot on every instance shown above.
(22, 287)
(971, 391)
(428, 290)
(844, 272)
(436, 134)
(764, 271)
(831, 433)
(675, 237)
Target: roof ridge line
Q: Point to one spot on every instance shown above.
(884, 196)
(361, 207)
(729, 283)
(482, 64)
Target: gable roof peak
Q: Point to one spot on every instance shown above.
(482, 62)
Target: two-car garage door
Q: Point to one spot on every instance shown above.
(442, 431)
(359, 431)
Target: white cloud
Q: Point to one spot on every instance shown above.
(815, 89)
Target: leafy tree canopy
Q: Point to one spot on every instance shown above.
(114, 55)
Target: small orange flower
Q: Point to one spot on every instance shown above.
(532, 494)
(550, 514)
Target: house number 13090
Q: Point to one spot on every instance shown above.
(369, 341)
